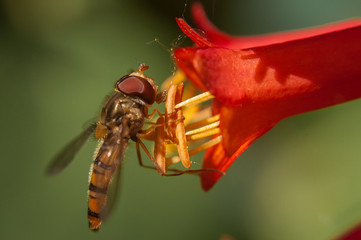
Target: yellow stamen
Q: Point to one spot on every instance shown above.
(204, 134)
(195, 100)
(203, 122)
(205, 145)
(195, 114)
(202, 129)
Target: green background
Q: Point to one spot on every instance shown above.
(59, 59)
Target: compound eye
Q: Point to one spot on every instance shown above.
(136, 86)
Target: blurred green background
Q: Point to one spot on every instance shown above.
(59, 59)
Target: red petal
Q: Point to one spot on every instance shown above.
(221, 39)
(240, 127)
(215, 158)
(192, 34)
(188, 53)
(320, 71)
(274, 77)
(353, 234)
(261, 86)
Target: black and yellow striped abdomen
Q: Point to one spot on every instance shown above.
(107, 160)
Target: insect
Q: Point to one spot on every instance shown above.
(122, 119)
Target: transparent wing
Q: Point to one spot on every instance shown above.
(113, 193)
(114, 187)
(105, 178)
(67, 154)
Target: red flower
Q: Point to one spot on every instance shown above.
(353, 234)
(258, 81)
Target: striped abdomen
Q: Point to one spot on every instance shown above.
(107, 160)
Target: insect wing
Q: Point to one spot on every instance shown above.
(104, 178)
(67, 154)
(113, 193)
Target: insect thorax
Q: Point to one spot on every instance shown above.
(119, 109)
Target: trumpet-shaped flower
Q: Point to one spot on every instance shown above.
(258, 81)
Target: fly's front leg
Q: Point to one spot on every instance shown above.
(149, 133)
(150, 156)
(159, 98)
(161, 163)
(159, 168)
(159, 160)
(191, 171)
(170, 127)
(139, 155)
(150, 115)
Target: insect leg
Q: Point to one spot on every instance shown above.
(160, 162)
(155, 110)
(141, 144)
(149, 133)
(140, 160)
(194, 151)
(137, 144)
(177, 172)
(191, 171)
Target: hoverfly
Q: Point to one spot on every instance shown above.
(122, 119)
